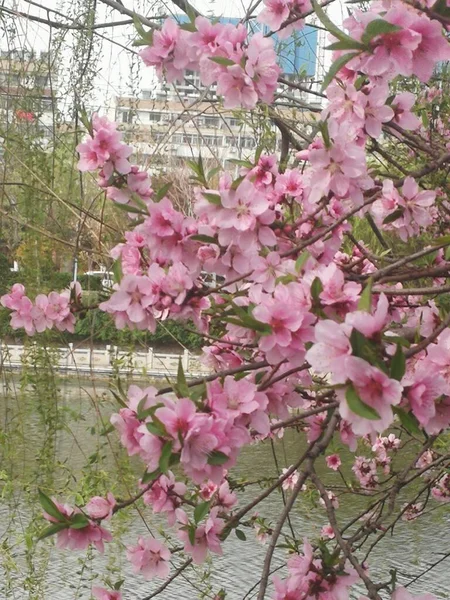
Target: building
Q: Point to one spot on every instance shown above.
(27, 90)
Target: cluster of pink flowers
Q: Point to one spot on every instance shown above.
(287, 296)
(149, 557)
(310, 579)
(78, 537)
(245, 71)
(413, 46)
(104, 151)
(46, 312)
(408, 212)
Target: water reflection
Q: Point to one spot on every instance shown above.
(68, 576)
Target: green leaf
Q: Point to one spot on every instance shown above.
(117, 270)
(441, 8)
(323, 128)
(191, 534)
(197, 392)
(162, 191)
(240, 534)
(156, 428)
(378, 27)
(329, 25)
(182, 387)
(164, 460)
(213, 198)
(250, 322)
(316, 289)
(52, 529)
(394, 216)
(346, 45)
(408, 420)
(237, 182)
(50, 507)
(365, 302)
(79, 521)
(118, 584)
(301, 261)
(149, 477)
(206, 239)
(188, 27)
(338, 64)
(221, 60)
(147, 36)
(128, 208)
(213, 172)
(200, 511)
(357, 406)
(241, 163)
(217, 458)
(398, 364)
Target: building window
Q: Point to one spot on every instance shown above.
(154, 117)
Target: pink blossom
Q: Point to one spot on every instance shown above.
(333, 461)
(169, 51)
(412, 511)
(131, 299)
(177, 416)
(327, 532)
(441, 490)
(403, 116)
(101, 508)
(226, 499)
(165, 496)
(370, 324)
(291, 481)
(150, 557)
(103, 594)
(402, 593)
(80, 538)
(377, 113)
(275, 12)
(206, 536)
(237, 88)
(330, 352)
(376, 390)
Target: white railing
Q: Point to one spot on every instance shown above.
(108, 360)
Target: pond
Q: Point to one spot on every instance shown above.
(51, 436)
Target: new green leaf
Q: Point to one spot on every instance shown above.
(357, 406)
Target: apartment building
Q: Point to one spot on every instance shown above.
(27, 90)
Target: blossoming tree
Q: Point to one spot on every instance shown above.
(317, 331)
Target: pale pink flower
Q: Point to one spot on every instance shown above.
(403, 116)
(331, 350)
(412, 511)
(274, 13)
(101, 508)
(376, 390)
(402, 593)
(177, 416)
(149, 557)
(333, 461)
(327, 532)
(206, 536)
(103, 594)
(367, 323)
(165, 496)
(291, 481)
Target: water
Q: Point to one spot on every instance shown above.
(79, 458)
